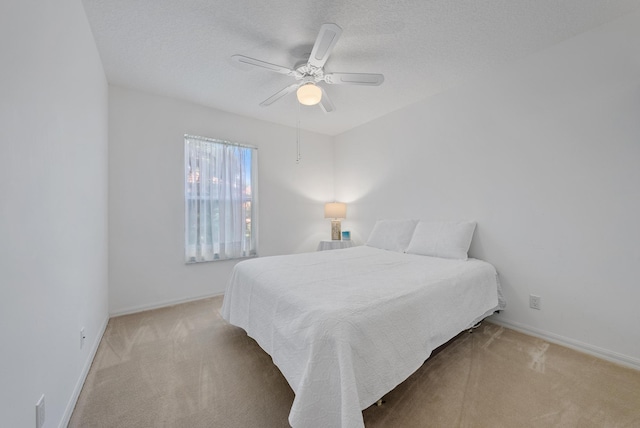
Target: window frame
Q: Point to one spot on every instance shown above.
(196, 251)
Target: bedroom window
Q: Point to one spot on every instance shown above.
(220, 195)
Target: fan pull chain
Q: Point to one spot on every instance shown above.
(298, 156)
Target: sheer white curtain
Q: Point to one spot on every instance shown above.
(220, 200)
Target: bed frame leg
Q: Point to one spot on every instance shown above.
(474, 327)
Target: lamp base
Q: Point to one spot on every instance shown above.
(336, 233)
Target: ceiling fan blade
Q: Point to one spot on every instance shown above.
(325, 102)
(327, 38)
(263, 64)
(275, 97)
(368, 79)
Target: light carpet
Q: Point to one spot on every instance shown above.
(184, 366)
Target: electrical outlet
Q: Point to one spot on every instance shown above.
(534, 302)
(40, 412)
(82, 337)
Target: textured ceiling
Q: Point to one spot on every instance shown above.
(183, 48)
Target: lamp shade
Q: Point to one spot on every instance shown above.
(309, 94)
(335, 210)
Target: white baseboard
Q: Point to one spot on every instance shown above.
(66, 417)
(605, 354)
(141, 308)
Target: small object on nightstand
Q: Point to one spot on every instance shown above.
(334, 245)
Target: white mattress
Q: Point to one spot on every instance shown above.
(346, 326)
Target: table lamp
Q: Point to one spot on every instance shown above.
(335, 211)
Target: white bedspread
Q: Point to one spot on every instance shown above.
(346, 326)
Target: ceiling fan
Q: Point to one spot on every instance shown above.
(309, 73)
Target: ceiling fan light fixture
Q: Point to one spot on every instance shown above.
(312, 71)
(309, 94)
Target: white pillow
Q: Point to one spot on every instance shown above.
(450, 240)
(393, 235)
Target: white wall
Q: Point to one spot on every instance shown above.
(146, 195)
(53, 205)
(545, 155)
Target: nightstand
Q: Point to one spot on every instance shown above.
(334, 245)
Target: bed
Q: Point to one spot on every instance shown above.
(346, 326)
